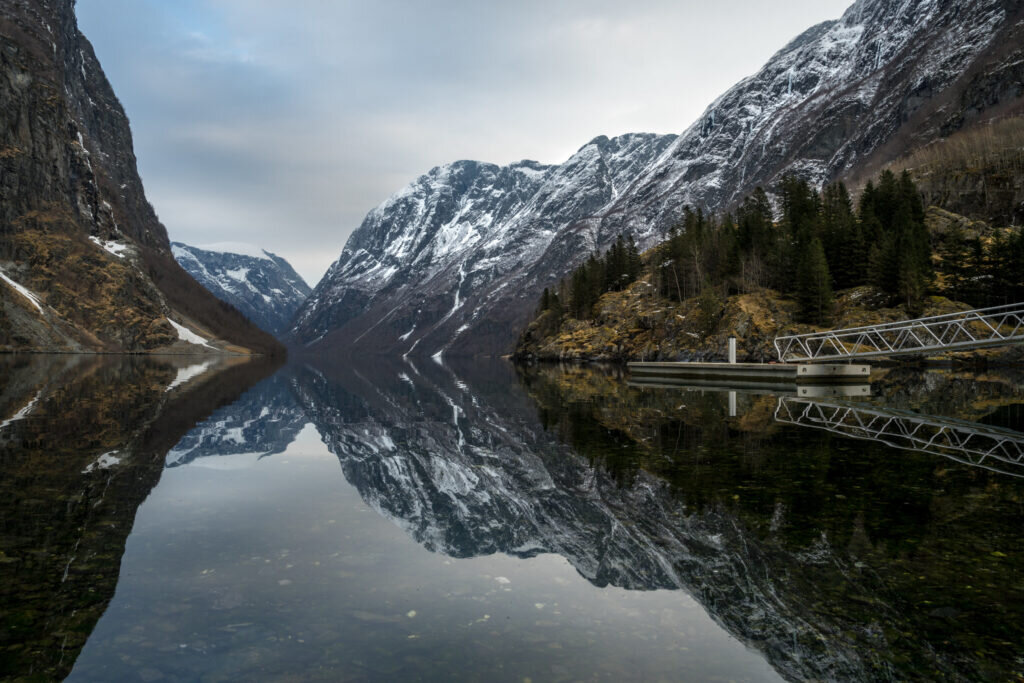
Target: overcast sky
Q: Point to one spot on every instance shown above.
(281, 123)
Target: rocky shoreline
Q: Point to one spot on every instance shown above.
(637, 325)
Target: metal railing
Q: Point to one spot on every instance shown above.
(972, 329)
(970, 443)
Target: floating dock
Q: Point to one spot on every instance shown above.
(845, 390)
(751, 374)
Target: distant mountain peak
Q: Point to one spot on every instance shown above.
(262, 285)
(240, 248)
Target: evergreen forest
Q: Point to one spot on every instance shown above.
(819, 243)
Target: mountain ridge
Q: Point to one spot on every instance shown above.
(822, 105)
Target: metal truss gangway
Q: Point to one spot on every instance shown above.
(970, 443)
(974, 329)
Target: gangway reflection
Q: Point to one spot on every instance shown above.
(971, 443)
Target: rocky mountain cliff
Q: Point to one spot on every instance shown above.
(453, 263)
(435, 259)
(84, 262)
(261, 285)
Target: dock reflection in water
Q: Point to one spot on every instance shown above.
(970, 443)
(905, 565)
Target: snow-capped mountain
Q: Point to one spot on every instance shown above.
(453, 263)
(426, 264)
(261, 285)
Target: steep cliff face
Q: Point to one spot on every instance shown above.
(86, 263)
(842, 96)
(263, 286)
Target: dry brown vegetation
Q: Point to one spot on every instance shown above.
(995, 145)
(978, 172)
(637, 324)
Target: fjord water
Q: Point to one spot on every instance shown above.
(478, 521)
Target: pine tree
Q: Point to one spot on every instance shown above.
(709, 309)
(843, 239)
(634, 264)
(814, 285)
(953, 265)
(913, 257)
(884, 264)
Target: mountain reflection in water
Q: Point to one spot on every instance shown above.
(82, 441)
(832, 555)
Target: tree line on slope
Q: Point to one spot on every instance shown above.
(819, 243)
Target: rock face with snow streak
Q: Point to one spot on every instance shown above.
(263, 286)
(454, 262)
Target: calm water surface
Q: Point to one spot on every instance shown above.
(162, 520)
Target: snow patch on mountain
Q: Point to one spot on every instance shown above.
(237, 248)
(24, 291)
(117, 249)
(187, 335)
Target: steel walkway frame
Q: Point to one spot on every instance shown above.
(970, 443)
(974, 329)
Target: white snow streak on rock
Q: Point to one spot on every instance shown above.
(189, 336)
(22, 290)
(115, 248)
(235, 248)
(106, 460)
